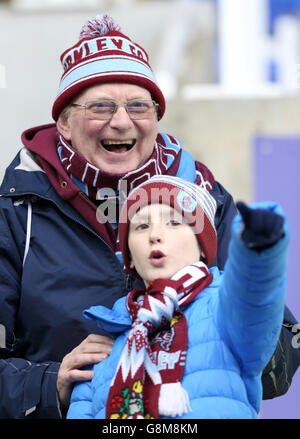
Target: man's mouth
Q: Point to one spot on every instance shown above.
(118, 146)
(157, 258)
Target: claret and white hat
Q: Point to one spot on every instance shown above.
(194, 202)
(104, 55)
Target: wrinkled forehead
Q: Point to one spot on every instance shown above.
(115, 91)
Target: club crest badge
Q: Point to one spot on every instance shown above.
(186, 202)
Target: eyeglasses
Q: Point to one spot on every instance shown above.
(104, 110)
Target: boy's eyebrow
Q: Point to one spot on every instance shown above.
(138, 218)
(145, 217)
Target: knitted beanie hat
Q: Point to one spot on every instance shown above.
(195, 204)
(103, 54)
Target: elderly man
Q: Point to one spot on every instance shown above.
(59, 239)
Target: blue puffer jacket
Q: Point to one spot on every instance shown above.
(68, 268)
(233, 328)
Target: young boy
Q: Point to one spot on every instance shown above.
(193, 344)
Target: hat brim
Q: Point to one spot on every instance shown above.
(69, 94)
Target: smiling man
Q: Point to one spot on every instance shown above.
(114, 126)
(59, 248)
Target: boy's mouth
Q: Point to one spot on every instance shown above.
(118, 146)
(157, 258)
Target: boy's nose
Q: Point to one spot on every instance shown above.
(156, 234)
(155, 239)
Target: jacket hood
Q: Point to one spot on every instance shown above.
(39, 154)
(41, 140)
(29, 136)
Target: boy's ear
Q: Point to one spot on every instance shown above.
(131, 265)
(63, 125)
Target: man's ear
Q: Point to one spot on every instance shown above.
(63, 125)
(202, 255)
(131, 265)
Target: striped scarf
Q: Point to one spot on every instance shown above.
(147, 382)
(100, 185)
(108, 190)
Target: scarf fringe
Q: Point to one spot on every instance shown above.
(173, 400)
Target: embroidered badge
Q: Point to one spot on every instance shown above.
(186, 202)
(130, 405)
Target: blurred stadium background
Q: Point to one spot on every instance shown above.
(230, 70)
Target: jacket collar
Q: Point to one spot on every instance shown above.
(113, 321)
(117, 319)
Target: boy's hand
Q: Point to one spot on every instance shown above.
(263, 228)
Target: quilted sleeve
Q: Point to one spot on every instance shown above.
(81, 402)
(27, 388)
(252, 297)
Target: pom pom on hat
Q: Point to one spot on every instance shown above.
(104, 55)
(98, 26)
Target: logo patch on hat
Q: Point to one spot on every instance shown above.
(186, 202)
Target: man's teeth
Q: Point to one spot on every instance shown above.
(118, 142)
(118, 145)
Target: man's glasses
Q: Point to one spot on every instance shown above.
(104, 110)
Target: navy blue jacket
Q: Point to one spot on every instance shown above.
(69, 268)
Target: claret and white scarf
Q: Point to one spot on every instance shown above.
(147, 382)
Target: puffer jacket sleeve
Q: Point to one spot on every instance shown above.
(252, 296)
(81, 402)
(27, 389)
(278, 373)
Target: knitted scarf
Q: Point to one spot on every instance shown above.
(147, 383)
(108, 190)
(100, 185)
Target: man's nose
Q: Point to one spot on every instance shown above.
(120, 119)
